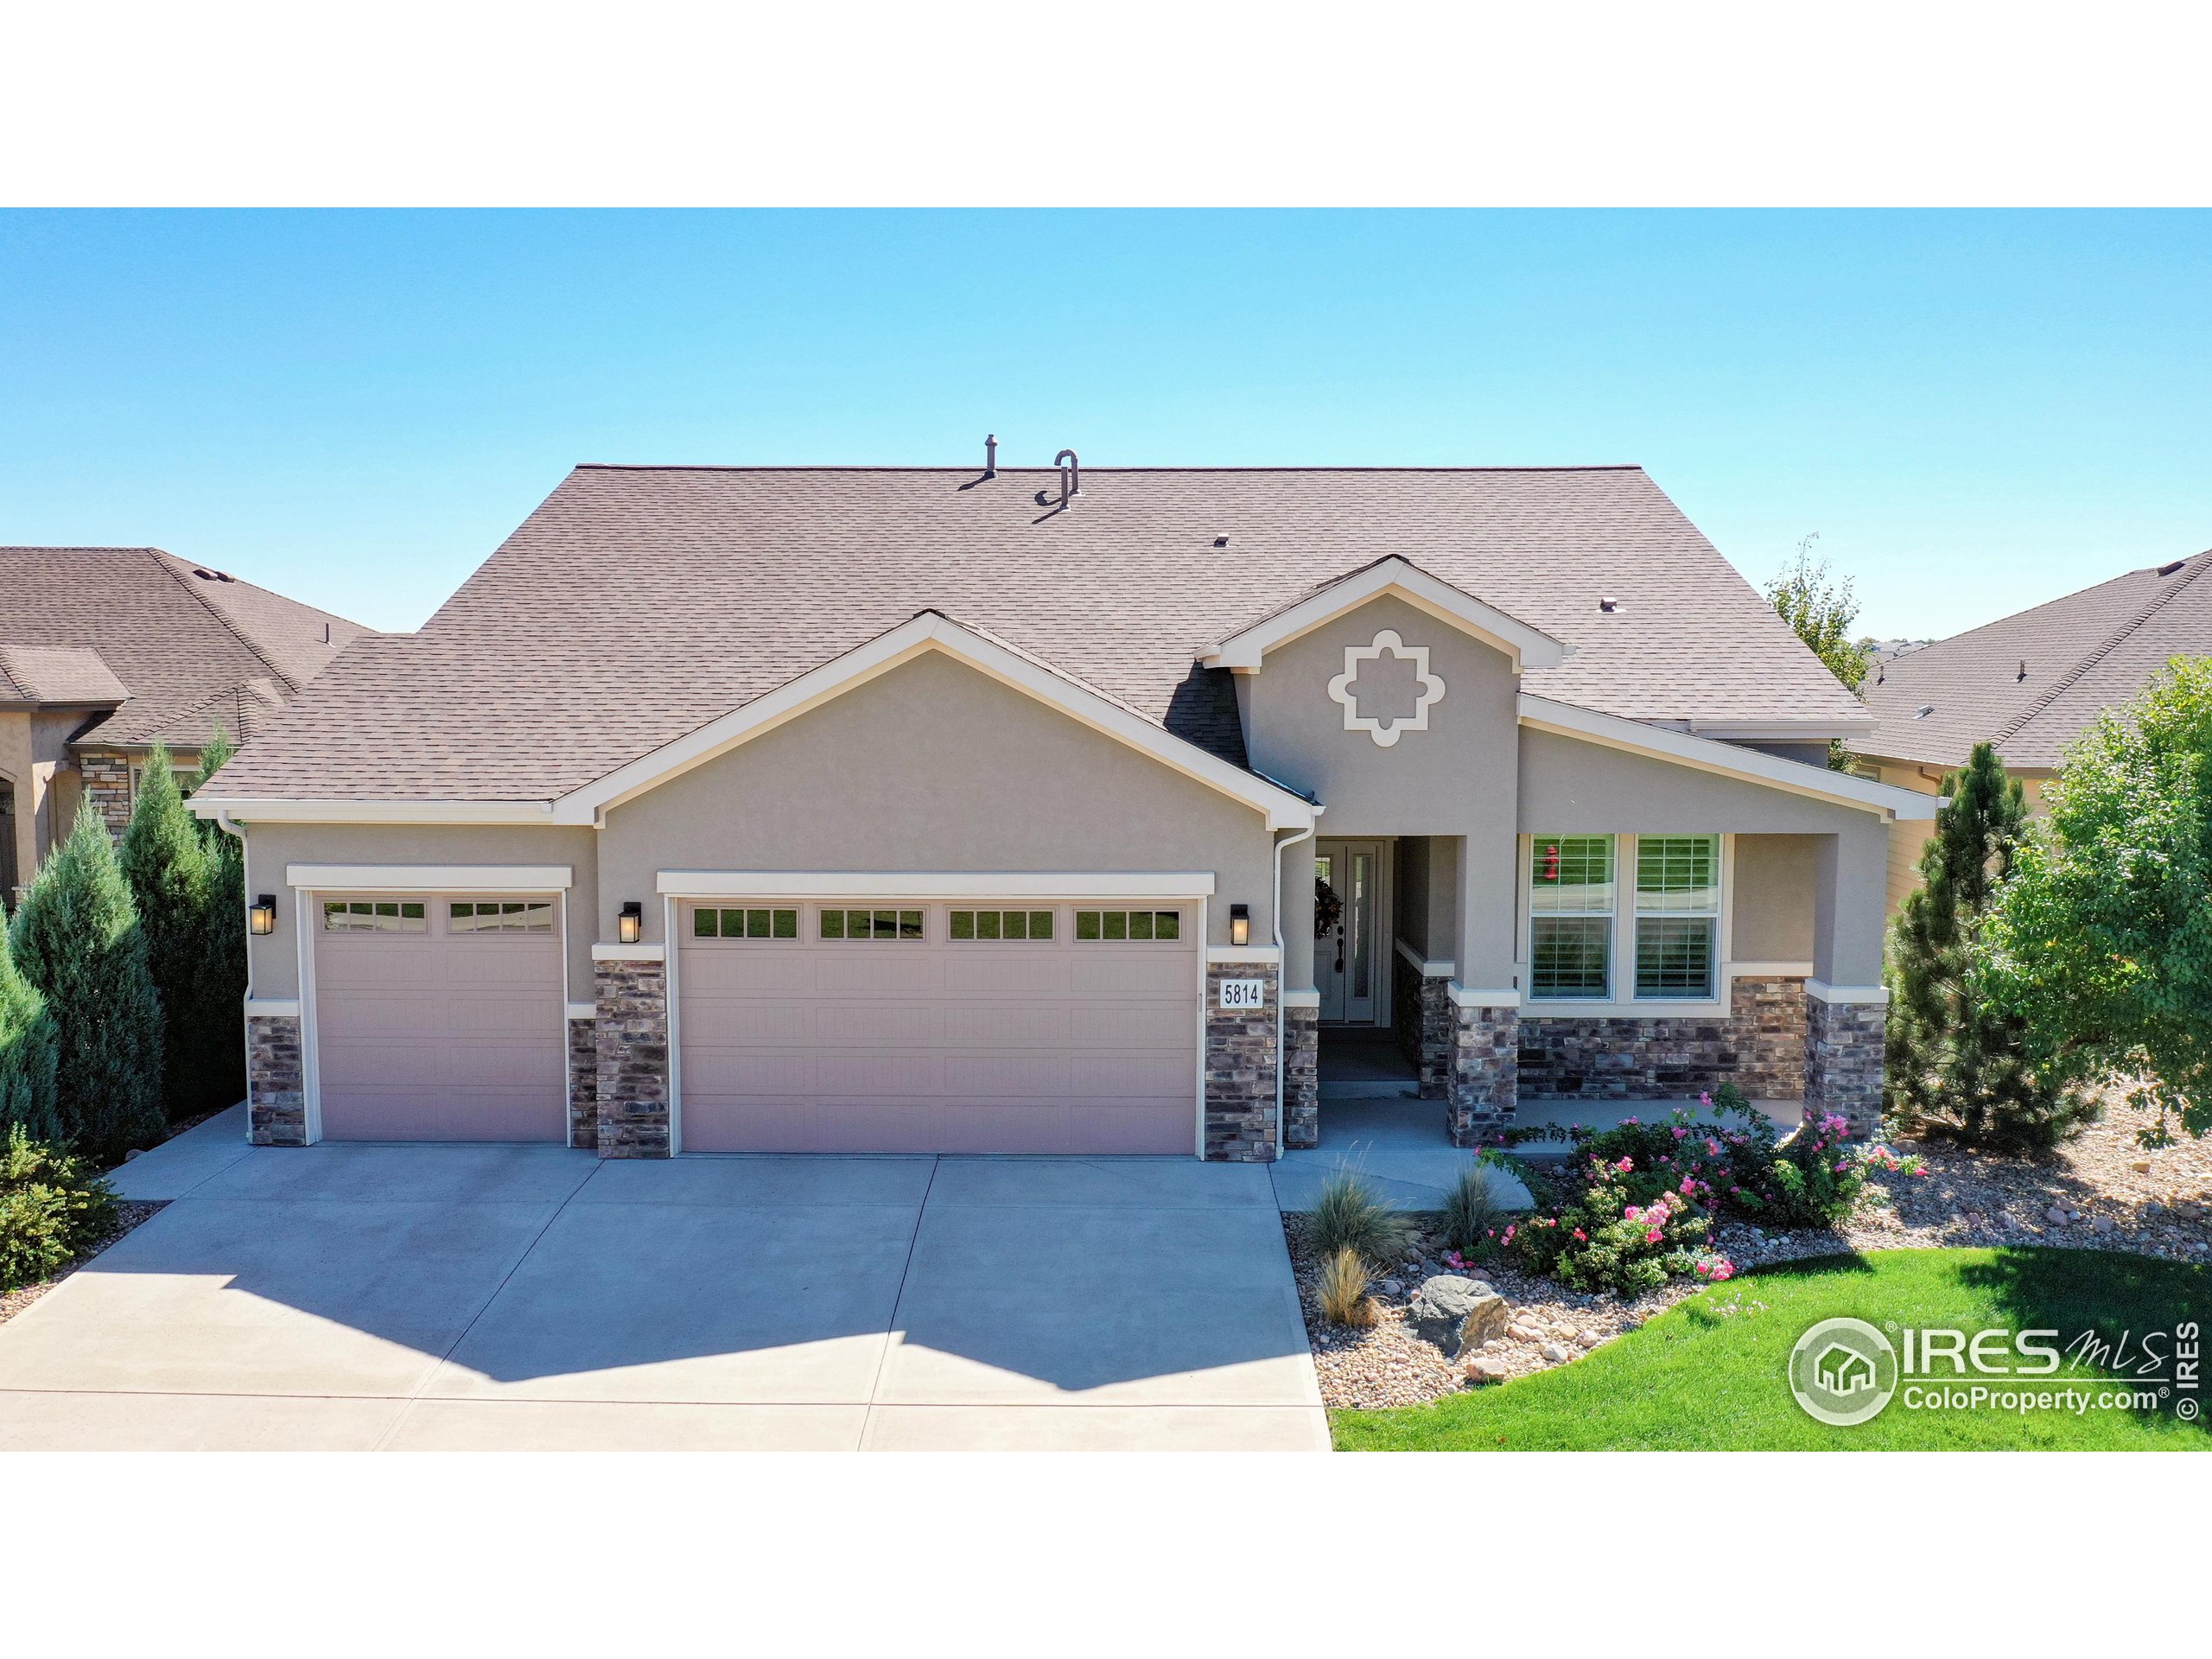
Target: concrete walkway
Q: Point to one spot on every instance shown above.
(1397, 1146)
(530, 1298)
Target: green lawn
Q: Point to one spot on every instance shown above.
(1711, 1374)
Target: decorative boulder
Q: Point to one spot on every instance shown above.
(1459, 1315)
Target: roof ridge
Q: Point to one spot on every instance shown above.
(2188, 572)
(962, 471)
(160, 563)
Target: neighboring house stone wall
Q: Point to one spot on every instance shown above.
(1843, 1062)
(1485, 1053)
(1759, 1045)
(276, 1111)
(1301, 1077)
(1240, 1068)
(107, 785)
(583, 1082)
(632, 1034)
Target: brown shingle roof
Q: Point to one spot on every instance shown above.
(188, 649)
(60, 675)
(638, 603)
(2082, 654)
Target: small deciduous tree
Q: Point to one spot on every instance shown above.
(1820, 610)
(1957, 1065)
(2102, 940)
(27, 1055)
(76, 938)
(167, 865)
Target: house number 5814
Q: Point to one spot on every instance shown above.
(1243, 993)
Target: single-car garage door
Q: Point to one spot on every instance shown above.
(1020, 1027)
(439, 1017)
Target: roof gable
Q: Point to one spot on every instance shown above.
(1527, 647)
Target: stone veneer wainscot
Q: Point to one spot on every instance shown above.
(583, 1082)
(631, 1033)
(1759, 1045)
(1843, 1061)
(1240, 1067)
(1486, 1072)
(276, 1109)
(1301, 1077)
(106, 778)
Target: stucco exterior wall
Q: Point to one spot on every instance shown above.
(937, 766)
(1459, 777)
(1773, 904)
(274, 961)
(35, 758)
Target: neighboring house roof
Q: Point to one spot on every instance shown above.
(62, 676)
(639, 603)
(183, 648)
(2032, 682)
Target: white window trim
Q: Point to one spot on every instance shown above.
(983, 887)
(517, 881)
(1621, 969)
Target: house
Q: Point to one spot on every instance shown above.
(2029, 683)
(1843, 1370)
(103, 652)
(915, 809)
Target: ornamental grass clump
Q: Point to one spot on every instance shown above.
(1348, 1216)
(1342, 1290)
(1472, 1216)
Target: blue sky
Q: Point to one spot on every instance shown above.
(1976, 411)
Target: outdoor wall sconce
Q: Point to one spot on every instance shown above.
(261, 920)
(630, 926)
(1240, 924)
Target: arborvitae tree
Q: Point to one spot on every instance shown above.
(1957, 1067)
(169, 870)
(76, 938)
(27, 1055)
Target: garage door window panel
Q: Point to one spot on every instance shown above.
(751, 922)
(1127, 926)
(375, 915)
(482, 916)
(852, 925)
(986, 927)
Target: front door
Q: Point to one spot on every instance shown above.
(1345, 965)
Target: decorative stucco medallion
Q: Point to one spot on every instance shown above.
(1386, 704)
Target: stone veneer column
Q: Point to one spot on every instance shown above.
(1301, 1077)
(107, 786)
(276, 1085)
(1485, 1071)
(1843, 1061)
(583, 1082)
(1240, 1068)
(1767, 1013)
(632, 1051)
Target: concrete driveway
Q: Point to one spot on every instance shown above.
(522, 1298)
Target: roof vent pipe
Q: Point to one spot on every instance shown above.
(1071, 475)
(991, 455)
(2023, 674)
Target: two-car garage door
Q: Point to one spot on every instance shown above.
(914, 1026)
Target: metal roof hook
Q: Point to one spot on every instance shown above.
(1070, 476)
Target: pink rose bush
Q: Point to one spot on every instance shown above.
(1635, 1202)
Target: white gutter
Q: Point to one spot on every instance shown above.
(1281, 964)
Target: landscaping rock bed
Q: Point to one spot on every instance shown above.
(130, 1213)
(2101, 1190)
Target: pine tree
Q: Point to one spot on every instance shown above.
(27, 1055)
(169, 868)
(221, 1008)
(1955, 1067)
(76, 938)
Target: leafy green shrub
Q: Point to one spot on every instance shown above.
(1604, 1236)
(1349, 1216)
(76, 938)
(52, 1206)
(1472, 1216)
(1342, 1290)
(27, 1054)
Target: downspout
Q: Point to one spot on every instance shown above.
(1282, 965)
(223, 822)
